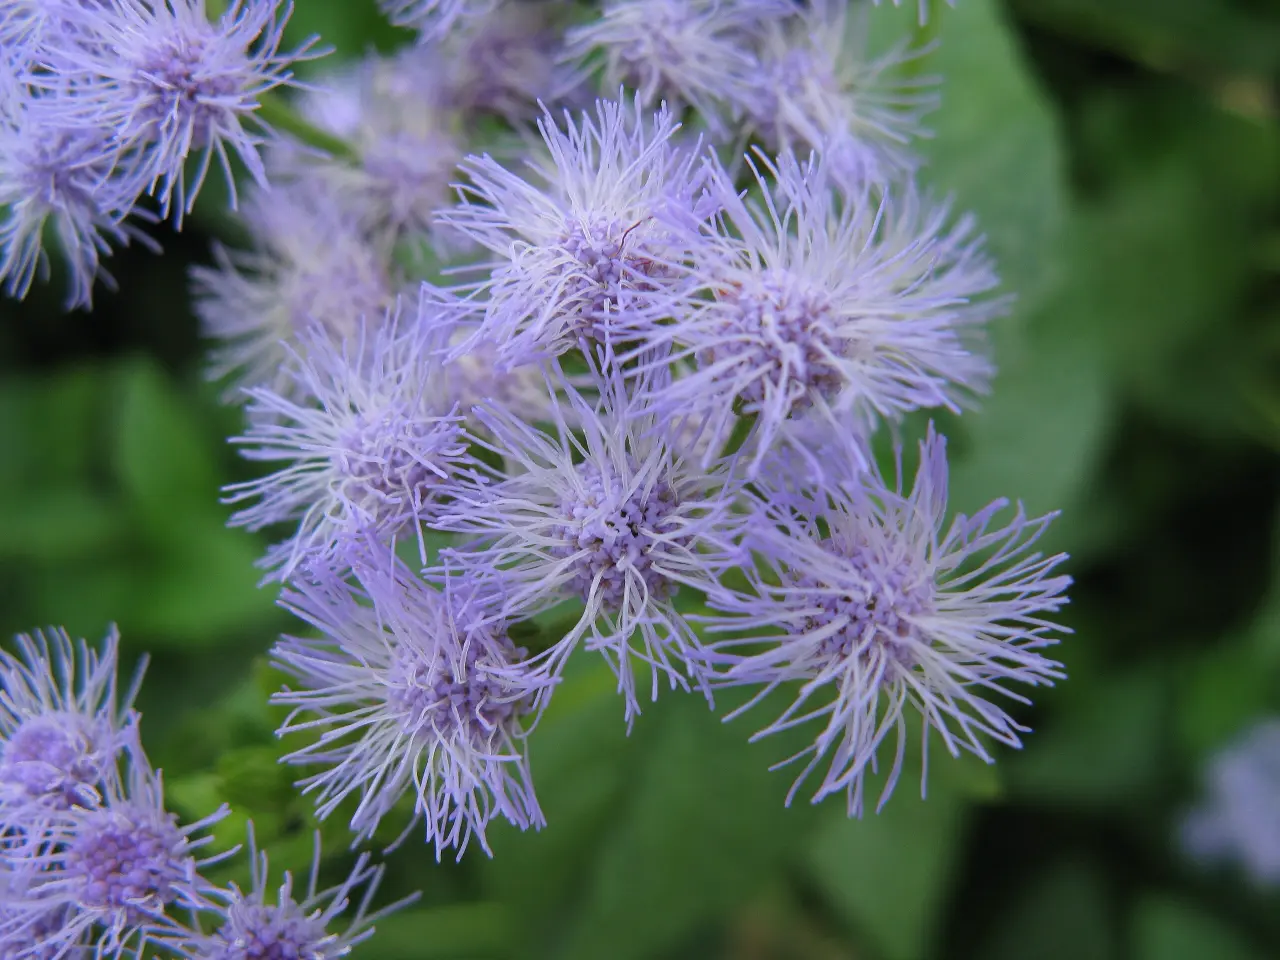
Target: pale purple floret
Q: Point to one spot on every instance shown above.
(311, 265)
(818, 88)
(606, 508)
(584, 250)
(695, 53)
(410, 689)
(392, 113)
(62, 721)
(370, 452)
(118, 867)
(867, 599)
(57, 175)
(292, 924)
(1239, 820)
(434, 18)
(826, 302)
(169, 85)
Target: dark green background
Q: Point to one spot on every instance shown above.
(1124, 159)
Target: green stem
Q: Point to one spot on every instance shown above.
(276, 113)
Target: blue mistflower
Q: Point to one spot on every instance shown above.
(62, 722)
(588, 253)
(696, 53)
(872, 605)
(410, 689)
(168, 84)
(253, 925)
(366, 454)
(311, 265)
(434, 18)
(613, 509)
(825, 301)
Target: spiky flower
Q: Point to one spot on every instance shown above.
(696, 53)
(584, 250)
(1238, 821)
(612, 511)
(434, 18)
(826, 301)
(409, 689)
(818, 89)
(168, 84)
(869, 601)
(62, 723)
(368, 455)
(311, 265)
(116, 868)
(254, 925)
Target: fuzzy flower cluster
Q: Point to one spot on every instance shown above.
(534, 379)
(91, 861)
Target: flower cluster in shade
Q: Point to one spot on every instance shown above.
(92, 863)
(535, 379)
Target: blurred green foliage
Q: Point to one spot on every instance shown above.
(1123, 157)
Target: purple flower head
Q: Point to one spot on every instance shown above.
(170, 84)
(369, 455)
(615, 514)
(62, 723)
(697, 53)
(588, 251)
(816, 89)
(255, 925)
(390, 110)
(311, 266)
(59, 176)
(434, 18)
(1240, 818)
(823, 302)
(410, 689)
(117, 867)
(30, 929)
(869, 602)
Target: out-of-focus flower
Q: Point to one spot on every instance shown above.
(696, 53)
(1239, 820)
(873, 608)
(434, 18)
(587, 255)
(367, 455)
(609, 510)
(409, 689)
(311, 266)
(62, 723)
(826, 301)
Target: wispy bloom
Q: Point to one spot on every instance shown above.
(873, 605)
(410, 690)
(696, 53)
(169, 84)
(1239, 820)
(116, 868)
(367, 455)
(817, 89)
(396, 119)
(311, 266)
(584, 248)
(434, 18)
(62, 181)
(826, 301)
(610, 511)
(291, 924)
(62, 722)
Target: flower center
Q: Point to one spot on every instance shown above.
(127, 864)
(614, 533)
(254, 931)
(786, 335)
(603, 267)
(52, 755)
(178, 86)
(396, 461)
(879, 604)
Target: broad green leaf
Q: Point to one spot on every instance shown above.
(1064, 915)
(457, 931)
(1168, 929)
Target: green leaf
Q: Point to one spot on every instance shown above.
(1167, 929)
(1064, 915)
(459, 931)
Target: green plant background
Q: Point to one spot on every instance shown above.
(1124, 159)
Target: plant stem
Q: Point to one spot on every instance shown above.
(276, 113)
